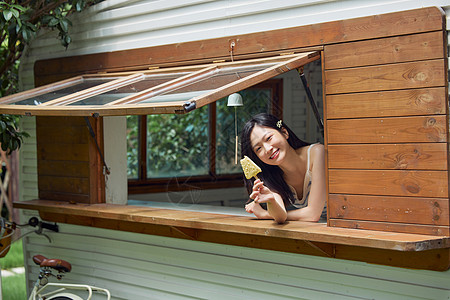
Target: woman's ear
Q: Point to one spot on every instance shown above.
(285, 132)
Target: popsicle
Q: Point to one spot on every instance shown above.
(250, 168)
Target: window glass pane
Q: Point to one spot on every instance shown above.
(256, 100)
(149, 81)
(87, 83)
(132, 147)
(217, 79)
(178, 144)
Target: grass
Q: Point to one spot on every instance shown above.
(13, 287)
(14, 258)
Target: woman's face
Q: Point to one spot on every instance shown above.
(269, 144)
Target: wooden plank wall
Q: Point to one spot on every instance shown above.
(386, 116)
(68, 160)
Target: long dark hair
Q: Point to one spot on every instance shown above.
(272, 176)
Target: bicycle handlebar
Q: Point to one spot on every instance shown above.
(35, 222)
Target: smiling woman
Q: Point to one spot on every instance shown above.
(290, 167)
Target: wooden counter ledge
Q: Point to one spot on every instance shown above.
(387, 248)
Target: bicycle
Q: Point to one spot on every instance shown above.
(48, 268)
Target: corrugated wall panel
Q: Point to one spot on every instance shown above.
(191, 269)
(135, 266)
(106, 27)
(28, 161)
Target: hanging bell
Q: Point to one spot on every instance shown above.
(235, 100)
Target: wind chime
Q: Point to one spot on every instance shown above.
(235, 100)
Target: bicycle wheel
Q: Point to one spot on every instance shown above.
(65, 296)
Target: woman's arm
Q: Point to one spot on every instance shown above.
(317, 195)
(275, 206)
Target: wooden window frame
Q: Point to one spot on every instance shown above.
(408, 250)
(226, 77)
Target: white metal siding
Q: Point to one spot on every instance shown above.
(119, 25)
(28, 161)
(137, 266)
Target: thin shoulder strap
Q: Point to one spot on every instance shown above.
(309, 151)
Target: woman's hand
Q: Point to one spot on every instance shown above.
(275, 207)
(257, 210)
(261, 194)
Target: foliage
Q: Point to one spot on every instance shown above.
(10, 138)
(20, 20)
(178, 144)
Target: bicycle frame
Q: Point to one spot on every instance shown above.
(47, 266)
(37, 292)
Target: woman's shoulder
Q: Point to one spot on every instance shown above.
(317, 147)
(317, 151)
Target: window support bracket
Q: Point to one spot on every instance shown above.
(311, 100)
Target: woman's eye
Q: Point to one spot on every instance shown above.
(269, 138)
(257, 149)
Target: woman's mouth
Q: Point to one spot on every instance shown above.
(275, 154)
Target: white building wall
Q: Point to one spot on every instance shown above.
(136, 266)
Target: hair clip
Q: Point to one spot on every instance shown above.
(279, 123)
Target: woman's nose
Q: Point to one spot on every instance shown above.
(267, 147)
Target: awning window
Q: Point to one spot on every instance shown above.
(168, 90)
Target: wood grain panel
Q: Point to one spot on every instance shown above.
(410, 75)
(69, 185)
(64, 135)
(64, 196)
(50, 152)
(432, 260)
(418, 129)
(387, 103)
(398, 49)
(69, 165)
(392, 24)
(430, 156)
(59, 121)
(64, 168)
(389, 183)
(97, 170)
(426, 211)
(391, 227)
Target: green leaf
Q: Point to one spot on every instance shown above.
(79, 6)
(7, 14)
(46, 19)
(15, 13)
(25, 35)
(67, 40)
(19, 7)
(53, 22)
(14, 145)
(64, 25)
(6, 138)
